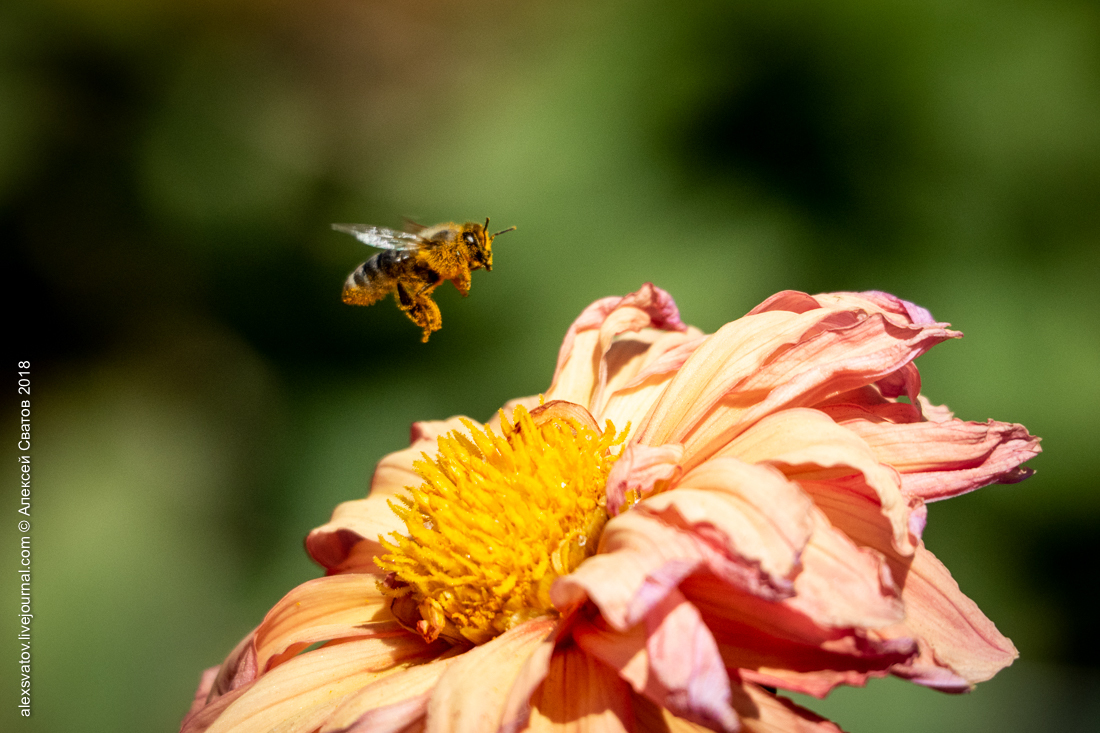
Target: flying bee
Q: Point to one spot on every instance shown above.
(415, 262)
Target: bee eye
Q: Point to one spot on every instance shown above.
(469, 238)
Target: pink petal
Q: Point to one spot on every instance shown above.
(472, 694)
(806, 444)
(842, 585)
(644, 470)
(778, 645)
(389, 704)
(793, 301)
(956, 639)
(726, 358)
(517, 707)
(200, 719)
(959, 635)
(580, 695)
(868, 402)
(206, 683)
(752, 511)
(301, 694)
(333, 607)
(636, 358)
(580, 366)
(238, 669)
(672, 659)
(763, 712)
(765, 362)
(641, 560)
(939, 460)
(842, 356)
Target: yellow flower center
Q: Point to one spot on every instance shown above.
(497, 520)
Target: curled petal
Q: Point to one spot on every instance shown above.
(778, 359)
(483, 676)
(642, 559)
(959, 635)
(956, 639)
(333, 607)
(779, 645)
(868, 403)
(729, 356)
(807, 445)
(644, 470)
(581, 369)
(671, 659)
(752, 511)
(238, 669)
(842, 585)
(852, 351)
(939, 460)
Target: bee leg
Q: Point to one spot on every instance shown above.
(420, 309)
(462, 282)
(425, 313)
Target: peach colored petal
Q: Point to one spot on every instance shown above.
(763, 712)
(333, 607)
(792, 301)
(391, 703)
(200, 719)
(877, 301)
(939, 460)
(778, 645)
(932, 412)
(806, 444)
(671, 659)
(641, 559)
(759, 710)
(636, 358)
(580, 695)
(729, 356)
(847, 352)
(580, 366)
(843, 585)
(206, 683)
(958, 633)
(348, 543)
(956, 638)
(517, 708)
(868, 402)
(238, 669)
(300, 694)
(753, 511)
(644, 470)
(484, 675)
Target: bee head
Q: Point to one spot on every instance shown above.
(480, 243)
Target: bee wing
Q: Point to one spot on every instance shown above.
(380, 237)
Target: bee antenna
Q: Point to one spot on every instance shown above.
(502, 231)
(486, 227)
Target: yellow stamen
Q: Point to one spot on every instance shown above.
(497, 520)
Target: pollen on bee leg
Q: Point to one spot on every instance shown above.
(497, 520)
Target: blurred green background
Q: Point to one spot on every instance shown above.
(169, 170)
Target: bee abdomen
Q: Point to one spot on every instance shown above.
(370, 282)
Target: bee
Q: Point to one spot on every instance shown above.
(415, 262)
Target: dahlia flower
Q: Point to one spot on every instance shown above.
(681, 527)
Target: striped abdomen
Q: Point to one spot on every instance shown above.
(376, 278)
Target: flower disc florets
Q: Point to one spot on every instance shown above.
(497, 520)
